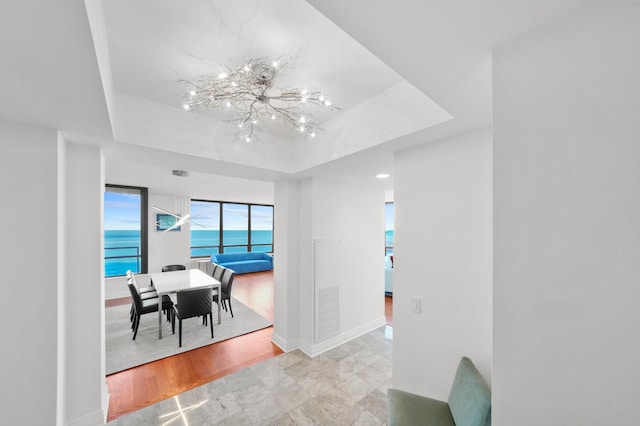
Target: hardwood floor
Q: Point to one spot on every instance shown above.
(138, 387)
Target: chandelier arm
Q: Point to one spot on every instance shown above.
(223, 96)
(244, 91)
(286, 114)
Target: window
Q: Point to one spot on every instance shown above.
(388, 214)
(230, 228)
(205, 228)
(235, 228)
(261, 228)
(125, 230)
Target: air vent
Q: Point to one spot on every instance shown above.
(181, 173)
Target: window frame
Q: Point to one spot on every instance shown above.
(249, 246)
(144, 228)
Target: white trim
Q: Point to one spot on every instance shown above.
(306, 348)
(333, 342)
(285, 345)
(95, 418)
(317, 349)
(106, 397)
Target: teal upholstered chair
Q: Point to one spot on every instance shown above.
(469, 403)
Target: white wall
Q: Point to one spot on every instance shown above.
(29, 264)
(159, 180)
(51, 257)
(61, 287)
(286, 265)
(442, 256)
(304, 280)
(354, 214)
(171, 247)
(86, 395)
(319, 209)
(567, 234)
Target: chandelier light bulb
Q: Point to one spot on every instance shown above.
(223, 75)
(312, 134)
(192, 93)
(247, 139)
(302, 119)
(228, 104)
(240, 125)
(321, 98)
(301, 128)
(273, 116)
(327, 103)
(186, 107)
(275, 64)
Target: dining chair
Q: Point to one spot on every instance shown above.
(169, 268)
(144, 292)
(147, 306)
(213, 269)
(191, 303)
(226, 282)
(218, 272)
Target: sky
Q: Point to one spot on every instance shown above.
(122, 212)
(388, 215)
(235, 216)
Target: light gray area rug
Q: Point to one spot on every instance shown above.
(123, 353)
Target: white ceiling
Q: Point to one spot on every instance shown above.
(153, 44)
(403, 72)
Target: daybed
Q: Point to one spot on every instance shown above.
(242, 263)
(469, 403)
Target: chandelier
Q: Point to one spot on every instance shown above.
(246, 94)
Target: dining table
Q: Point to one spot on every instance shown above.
(173, 281)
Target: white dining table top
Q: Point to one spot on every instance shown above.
(173, 281)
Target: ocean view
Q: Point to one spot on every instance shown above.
(122, 247)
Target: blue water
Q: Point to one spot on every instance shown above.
(126, 246)
(201, 238)
(389, 238)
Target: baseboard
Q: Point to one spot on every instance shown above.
(318, 348)
(106, 397)
(312, 350)
(285, 345)
(95, 418)
(98, 417)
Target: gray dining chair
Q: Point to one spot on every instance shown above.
(226, 282)
(147, 306)
(218, 271)
(169, 268)
(190, 304)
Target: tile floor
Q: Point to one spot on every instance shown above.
(344, 386)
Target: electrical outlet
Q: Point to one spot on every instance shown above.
(415, 305)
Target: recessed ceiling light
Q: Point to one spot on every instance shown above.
(383, 175)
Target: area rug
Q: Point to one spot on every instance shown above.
(123, 353)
